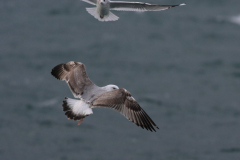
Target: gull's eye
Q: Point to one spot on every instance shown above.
(114, 88)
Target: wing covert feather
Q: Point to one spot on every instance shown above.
(74, 73)
(122, 101)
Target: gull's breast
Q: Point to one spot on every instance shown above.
(103, 9)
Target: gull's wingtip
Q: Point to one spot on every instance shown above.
(183, 4)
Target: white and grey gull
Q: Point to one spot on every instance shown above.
(92, 96)
(102, 13)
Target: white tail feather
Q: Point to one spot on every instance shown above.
(79, 107)
(109, 17)
(93, 12)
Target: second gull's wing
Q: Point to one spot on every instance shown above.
(138, 6)
(93, 2)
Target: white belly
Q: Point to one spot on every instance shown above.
(103, 10)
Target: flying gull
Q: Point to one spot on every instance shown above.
(91, 96)
(102, 13)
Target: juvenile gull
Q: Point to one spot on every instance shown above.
(91, 96)
(102, 13)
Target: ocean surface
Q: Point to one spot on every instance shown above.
(182, 65)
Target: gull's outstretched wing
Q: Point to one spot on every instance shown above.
(138, 6)
(93, 2)
(74, 73)
(122, 101)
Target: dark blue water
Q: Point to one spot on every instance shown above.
(182, 65)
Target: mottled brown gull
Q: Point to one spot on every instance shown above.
(92, 96)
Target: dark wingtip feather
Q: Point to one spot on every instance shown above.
(57, 70)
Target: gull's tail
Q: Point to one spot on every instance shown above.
(109, 17)
(76, 109)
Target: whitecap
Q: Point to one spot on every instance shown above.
(235, 19)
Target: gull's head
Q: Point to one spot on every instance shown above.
(111, 87)
(103, 2)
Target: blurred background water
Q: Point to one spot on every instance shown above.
(182, 65)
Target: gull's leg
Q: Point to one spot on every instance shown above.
(80, 121)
